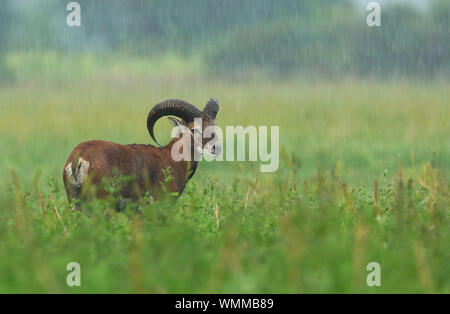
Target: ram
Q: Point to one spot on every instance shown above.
(92, 163)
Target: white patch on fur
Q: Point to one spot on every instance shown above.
(76, 179)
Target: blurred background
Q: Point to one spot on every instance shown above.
(326, 38)
(344, 94)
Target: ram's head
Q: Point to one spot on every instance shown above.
(200, 124)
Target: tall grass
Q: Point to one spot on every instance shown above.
(363, 177)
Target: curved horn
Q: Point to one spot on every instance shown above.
(211, 108)
(171, 107)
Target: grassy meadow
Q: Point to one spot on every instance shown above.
(363, 176)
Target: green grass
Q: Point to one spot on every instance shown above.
(312, 226)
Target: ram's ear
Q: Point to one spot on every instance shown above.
(176, 122)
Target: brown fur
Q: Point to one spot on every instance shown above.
(147, 165)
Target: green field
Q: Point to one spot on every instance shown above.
(363, 176)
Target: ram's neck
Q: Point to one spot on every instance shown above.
(187, 161)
